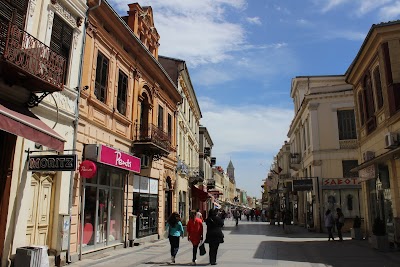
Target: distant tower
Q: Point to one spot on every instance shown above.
(231, 171)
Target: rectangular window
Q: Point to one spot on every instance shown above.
(347, 166)
(61, 40)
(169, 126)
(100, 89)
(378, 87)
(346, 124)
(122, 89)
(361, 108)
(160, 117)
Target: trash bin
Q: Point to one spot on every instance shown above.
(32, 256)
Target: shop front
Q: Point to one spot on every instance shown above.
(104, 194)
(145, 205)
(343, 193)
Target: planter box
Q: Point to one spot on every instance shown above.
(356, 233)
(378, 242)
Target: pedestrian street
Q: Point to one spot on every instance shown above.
(255, 244)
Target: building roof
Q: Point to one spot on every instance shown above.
(230, 165)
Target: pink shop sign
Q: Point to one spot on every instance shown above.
(119, 159)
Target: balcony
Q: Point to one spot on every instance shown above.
(348, 144)
(196, 175)
(295, 160)
(27, 62)
(152, 141)
(210, 184)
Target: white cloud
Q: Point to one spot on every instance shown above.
(196, 31)
(361, 7)
(390, 12)
(331, 4)
(250, 135)
(254, 20)
(367, 6)
(303, 22)
(345, 34)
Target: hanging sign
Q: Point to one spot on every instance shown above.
(87, 169)
(303, 185)
(52, 163)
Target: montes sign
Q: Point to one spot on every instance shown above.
(52, 163)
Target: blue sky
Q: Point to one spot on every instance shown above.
(242, 55)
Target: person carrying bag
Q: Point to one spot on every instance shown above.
(214, 235)
(195, 234)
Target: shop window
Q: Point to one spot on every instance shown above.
(100, 88)
(61, 40)
(346, 124)
(122, 89)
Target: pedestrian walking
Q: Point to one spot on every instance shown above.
(195, 233)
(339, 223)
(287, 220)
(175, 231)
(214, 235)
(247, 213)
(329, 223)
(236, 215)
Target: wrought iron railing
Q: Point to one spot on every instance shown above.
(31, 55)
(151, 133)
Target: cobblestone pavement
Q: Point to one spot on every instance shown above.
(255, 244)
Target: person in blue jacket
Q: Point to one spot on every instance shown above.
(175, 231)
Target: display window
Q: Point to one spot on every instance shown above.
(346, 199)
(145, 205)
(103, 208)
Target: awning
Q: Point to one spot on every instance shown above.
(378, 159)
(200, 194)
(20, 121)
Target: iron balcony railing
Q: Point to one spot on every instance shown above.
(152, 133)
(31, 57)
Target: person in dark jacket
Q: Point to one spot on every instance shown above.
(214, 234)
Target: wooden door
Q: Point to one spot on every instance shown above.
(38, 223)
(7, 145)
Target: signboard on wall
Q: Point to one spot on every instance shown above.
(303, 185)
(341, 182)
(52, 163)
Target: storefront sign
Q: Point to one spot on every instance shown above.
(119, 159)
(52, 163)
(303, 185)
(341, 182)
(87, 169)
(367, 173)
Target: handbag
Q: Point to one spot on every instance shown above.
(202, 249)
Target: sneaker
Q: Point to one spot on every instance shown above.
(172, 259)
(194, 262)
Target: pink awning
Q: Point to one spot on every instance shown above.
(20, 121)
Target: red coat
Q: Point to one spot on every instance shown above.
(195, 231)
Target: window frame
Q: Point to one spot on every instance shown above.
(122, 93)
(346, 124)
(160, 118)
(100, 81)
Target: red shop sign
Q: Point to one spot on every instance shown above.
(87, 169)
(119, 159)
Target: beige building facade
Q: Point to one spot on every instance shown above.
(127, 132)
(375, 76)
(323, 147)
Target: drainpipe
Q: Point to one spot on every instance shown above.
(79, 88)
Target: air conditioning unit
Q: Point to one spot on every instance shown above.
(391, 140)
(368, 155)
(144, 161)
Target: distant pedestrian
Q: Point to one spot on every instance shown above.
(287, 220)
(236, 215)
(175, 231)
(252, 213)
(329, 223)
(339, 223)
(214, 235)
(247, 214)
(199, 214)
(195, 233)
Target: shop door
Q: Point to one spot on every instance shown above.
(7, 144)
(39, 211)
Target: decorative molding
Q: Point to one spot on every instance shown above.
(31, 9)
(65, 13)
(313, 106)
(91, 29)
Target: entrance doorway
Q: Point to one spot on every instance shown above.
(7, 144)
(38, 223)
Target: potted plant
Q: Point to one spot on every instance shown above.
(356, 230)
(379, 239)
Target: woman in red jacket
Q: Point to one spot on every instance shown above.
(195, 233)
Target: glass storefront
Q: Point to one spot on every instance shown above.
(346, 199)
(145, 205)
(103, 207)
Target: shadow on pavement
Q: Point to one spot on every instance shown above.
(175, 264)
(330, 253)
